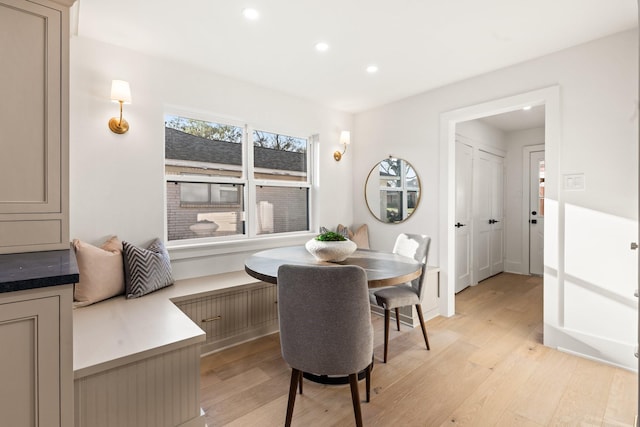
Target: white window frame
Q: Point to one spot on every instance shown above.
(403, 190)
(249, 182)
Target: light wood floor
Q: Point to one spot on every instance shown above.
(487, 367)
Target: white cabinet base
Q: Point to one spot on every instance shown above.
(36, 370)
(158, 391)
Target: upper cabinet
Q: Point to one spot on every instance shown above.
(34, 125)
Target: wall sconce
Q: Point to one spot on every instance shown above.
(121, 93)
(345, 138)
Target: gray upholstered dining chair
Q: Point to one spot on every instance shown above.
(325, 326)
(414, 246)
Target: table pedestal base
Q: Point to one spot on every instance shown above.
(334, 379)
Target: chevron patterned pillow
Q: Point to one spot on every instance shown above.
(146, 270)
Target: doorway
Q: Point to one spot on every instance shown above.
(447, 247)
(499, 193)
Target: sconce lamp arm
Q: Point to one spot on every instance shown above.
(119, 126)
(337, 155)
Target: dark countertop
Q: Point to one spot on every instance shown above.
(37, 270)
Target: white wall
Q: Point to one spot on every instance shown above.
(117, 182)
(590, 274)
(481, 134)
(515, 171)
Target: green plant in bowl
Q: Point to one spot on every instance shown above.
(330, 236)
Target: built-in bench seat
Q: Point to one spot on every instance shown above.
(136, 361)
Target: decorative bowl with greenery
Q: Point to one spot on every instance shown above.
(330, 246)
(330, 236)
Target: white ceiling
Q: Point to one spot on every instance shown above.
(417, 44)
(517, 119)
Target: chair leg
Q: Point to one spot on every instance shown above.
(300, 386)
(296, 376)
(398, 319)
(355, 397)
(386, 334)
(368, 381)
(424, 328)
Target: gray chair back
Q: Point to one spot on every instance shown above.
(414, 246)
(325, 318)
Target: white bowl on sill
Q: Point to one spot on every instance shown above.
(204, 228)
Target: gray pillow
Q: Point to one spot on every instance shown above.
(342, 231)
(146, 270)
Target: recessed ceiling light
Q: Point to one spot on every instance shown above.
(526, 107)
(372, 69)
(322, 47)
(250, 13)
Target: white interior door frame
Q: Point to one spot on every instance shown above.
(526, 188)
(550, 97)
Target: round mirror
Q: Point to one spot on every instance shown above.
(392, 190)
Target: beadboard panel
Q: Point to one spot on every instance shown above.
(159, 391)
(264, 304)
(234, 315)
(219, 316)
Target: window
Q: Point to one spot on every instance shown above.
(541, 188)
(219, 188)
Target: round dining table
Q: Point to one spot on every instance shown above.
(382, 268)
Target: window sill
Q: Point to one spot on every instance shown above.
(179, 251)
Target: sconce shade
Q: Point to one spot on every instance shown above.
(345, 137)
(120, 91)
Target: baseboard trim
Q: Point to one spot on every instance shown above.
(198, 421)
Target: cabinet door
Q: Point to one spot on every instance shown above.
(30, 368)
(33, 119)
(220, 316)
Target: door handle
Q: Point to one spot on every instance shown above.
(458, 225)
(493, 221)
(534, 221)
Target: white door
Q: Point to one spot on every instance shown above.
(488, 215)
(464, 180)
(536, 212)
(497, 216)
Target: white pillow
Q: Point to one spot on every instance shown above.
(101, 271)
(360, 237)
